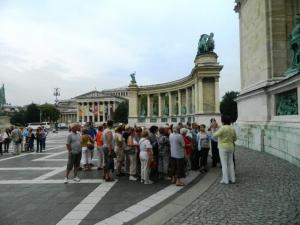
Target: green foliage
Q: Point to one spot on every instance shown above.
(228, 106)
(18, 118)
(32, 114)
(121, 113)
(49, 112)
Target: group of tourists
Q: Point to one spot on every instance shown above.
(22, 139)
(148, 154)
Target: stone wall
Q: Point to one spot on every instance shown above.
(253, 39)
(261, 129)
(279, 139)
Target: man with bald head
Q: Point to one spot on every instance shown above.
(74, 150)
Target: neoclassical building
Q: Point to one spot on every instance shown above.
(93, 107)
(192, 98)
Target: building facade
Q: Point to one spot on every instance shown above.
(93, 107)
(192, 98)
(270, 80)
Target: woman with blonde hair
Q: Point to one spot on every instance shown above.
(86, 144)
(226, 137)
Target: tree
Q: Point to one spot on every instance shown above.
(18, 118)
(49, 112)
(121, 113)
(32, 113)
(228, 105)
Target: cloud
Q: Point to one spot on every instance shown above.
(78, 46)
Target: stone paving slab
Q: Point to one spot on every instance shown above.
(21, 175)
(267, 192)
(121, 196)
(41, 203)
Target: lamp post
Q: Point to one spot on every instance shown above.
(56, 93)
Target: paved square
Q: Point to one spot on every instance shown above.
(32, 190)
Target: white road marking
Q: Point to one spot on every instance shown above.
(30, 153)
(51, 174)
(146, 204)
(83, 181)
(50, 156)
(56, 160)
(28, 168)
(86, 205)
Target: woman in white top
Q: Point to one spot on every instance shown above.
(146, 155)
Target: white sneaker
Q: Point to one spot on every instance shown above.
(148, 182)
(132, 178)
(76, 179)
(66, 181)
(223, 182)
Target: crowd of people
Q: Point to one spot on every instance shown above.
(22, 139)
(147, 154)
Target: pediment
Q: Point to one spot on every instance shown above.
(92, 94)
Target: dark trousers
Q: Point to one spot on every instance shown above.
(39, 145)
(195, 159)
(1, 153)
(203, 157)
(6, 146)
(43, 143)
(215, 152)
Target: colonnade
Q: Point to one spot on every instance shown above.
(95, 111)
(192, 98)
(68, 118)
(201, 96)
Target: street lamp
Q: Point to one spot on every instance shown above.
(56, 93)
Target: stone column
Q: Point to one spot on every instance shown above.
(108, 106)
(196, 95)
(193, 99)
(103, 112)
(159, 105)
(98, 113)
(134, 105)
(200, 95)
(114, 106)
(148, 105)
(217, 97)
(170, 104)
(77, 113)
(93, 108)
(179, 102)
(187, 110)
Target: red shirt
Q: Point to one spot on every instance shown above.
(99, 138)
(188, 145)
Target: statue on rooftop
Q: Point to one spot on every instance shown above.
(133, 81)
(206, 44)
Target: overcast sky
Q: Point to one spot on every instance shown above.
(80, 46)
